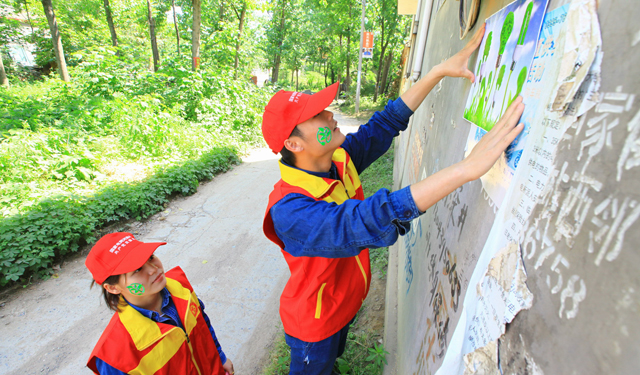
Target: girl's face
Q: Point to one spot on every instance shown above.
(146, 281)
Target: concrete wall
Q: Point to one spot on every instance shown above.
(585, 317)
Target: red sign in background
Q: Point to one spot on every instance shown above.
(367, 41)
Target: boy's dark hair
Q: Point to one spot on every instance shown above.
(287, 156)
(112, 300)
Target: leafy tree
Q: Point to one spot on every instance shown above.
(241, 17)
(175, 24)
(152, 37)
(386, 11)
(276, 34)
(195, 35)
(4, 81)
(8, 34)
(112, 28)
(56, 40)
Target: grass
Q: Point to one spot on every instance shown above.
(363, 354)
(367, 107)
(378, 176)
(110, 145)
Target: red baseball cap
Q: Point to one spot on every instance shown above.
(286, 109)
(118, 253)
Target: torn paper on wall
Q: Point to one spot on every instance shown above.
(501, 294)
(482, 361)
(582, 41)
(588, 94)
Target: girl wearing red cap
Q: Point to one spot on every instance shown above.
(159, 325)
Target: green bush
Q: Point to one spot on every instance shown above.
(52, 228)
(63, 146)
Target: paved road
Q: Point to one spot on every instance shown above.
(215, 235)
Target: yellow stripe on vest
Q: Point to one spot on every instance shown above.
(364, 274)
(319, 304)
(160, 354)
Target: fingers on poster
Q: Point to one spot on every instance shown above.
(504, 60)
(506, 68)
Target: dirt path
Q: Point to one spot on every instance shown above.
(215, 235)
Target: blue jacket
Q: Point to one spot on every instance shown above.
(308, 227)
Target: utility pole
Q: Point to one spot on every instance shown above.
(360, 58)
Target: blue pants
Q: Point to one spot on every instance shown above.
(316, 358)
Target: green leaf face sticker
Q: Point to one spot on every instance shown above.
(137, 289)
(324, 135)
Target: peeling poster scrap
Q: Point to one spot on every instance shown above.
(501, 293)
(482, 361)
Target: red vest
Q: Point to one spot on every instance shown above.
(322, 294)
(135, 344)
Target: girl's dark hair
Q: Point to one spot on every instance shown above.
(287, 156)
(112, 300)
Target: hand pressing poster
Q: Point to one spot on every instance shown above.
(502, 70)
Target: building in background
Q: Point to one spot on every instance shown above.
(20, 51)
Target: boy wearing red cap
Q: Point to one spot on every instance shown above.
(319, 218)
(159, 325)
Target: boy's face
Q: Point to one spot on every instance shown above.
(145, 281)
(321, 134)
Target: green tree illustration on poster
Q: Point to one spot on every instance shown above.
(484, 106)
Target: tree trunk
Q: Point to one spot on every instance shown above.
(339, 73)
(175, 24)
(383, 47)
(195, 36)
(220, 16)
(33, 34)
(326, 71)
(240, 26)
(385, 72)
(347, 80)
(297, 76)
(278, 58)
(112, 28)
(152, 35)
(56, 40)
(4, 81)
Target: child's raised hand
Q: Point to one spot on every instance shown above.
(228, 367)
(492, 145)
(456, 65)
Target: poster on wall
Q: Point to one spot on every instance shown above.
(503, 70)
(487, 306)
(506, 54)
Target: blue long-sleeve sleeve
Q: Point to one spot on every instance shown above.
(322, 229)
(105, 369)
(374, 138)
